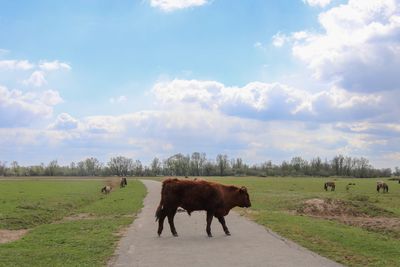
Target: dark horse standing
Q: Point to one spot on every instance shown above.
(331, 185)
(123, 182)
(383, 186)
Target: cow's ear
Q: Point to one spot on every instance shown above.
(243, 189)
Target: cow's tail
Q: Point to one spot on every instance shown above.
(161, 205)
(158, 211)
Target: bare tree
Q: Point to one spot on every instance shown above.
(137, 168)
(155, 166)
(222, 163)
(197, 163)
(120, 165)
(178, 164)
(209, 168)
(92, 166)
(238, 167)
(52, 168)
(396, 171)
(3, 166)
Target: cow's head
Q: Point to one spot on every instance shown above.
(243, 199)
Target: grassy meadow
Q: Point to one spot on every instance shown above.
(70, 222)
(276, 202)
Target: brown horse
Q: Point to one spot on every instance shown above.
(381, 185)
(106, 189)
(331, 185)
(123, 182)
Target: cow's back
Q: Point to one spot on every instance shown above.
(190, 195)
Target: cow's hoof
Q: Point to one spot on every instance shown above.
(175, 234)
(227, 233)
(209, 235)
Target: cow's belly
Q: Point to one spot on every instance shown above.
(193, 206)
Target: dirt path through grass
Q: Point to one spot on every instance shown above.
(249, 245)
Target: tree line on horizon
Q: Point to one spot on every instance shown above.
(197, 164)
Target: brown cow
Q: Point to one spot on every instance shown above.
(216, 199)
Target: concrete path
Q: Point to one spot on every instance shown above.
(249, 245)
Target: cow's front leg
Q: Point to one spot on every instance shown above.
(171, 215)
(221, 219)
(210, 215)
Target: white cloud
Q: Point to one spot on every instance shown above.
(15, 65)
(265, 101)
(36, 79)
(359, 47)
(258, 45)
(54, 65)
(189, 128)
(51, 97)
(19, 108)
(258, 121)
(64, 121)
(3, 52)
(171, 5)
(279, 39)
(321, 3)
(118, 100)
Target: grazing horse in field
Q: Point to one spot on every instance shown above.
(106, 189)
(331, 185)
(123, 182)
(381, 185)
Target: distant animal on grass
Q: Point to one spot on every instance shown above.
(381, 185)
(106, 189)
(330, 185)
(216, 199)
(123, 182)
(349, 185)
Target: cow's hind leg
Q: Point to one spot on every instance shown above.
(163, 214)
(171, 215)
(209, 220)
(221, 219)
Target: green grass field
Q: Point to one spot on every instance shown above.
(275, 200)
(71, 223)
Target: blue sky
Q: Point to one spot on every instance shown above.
(261, 80)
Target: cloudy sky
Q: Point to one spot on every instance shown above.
(261, 80)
